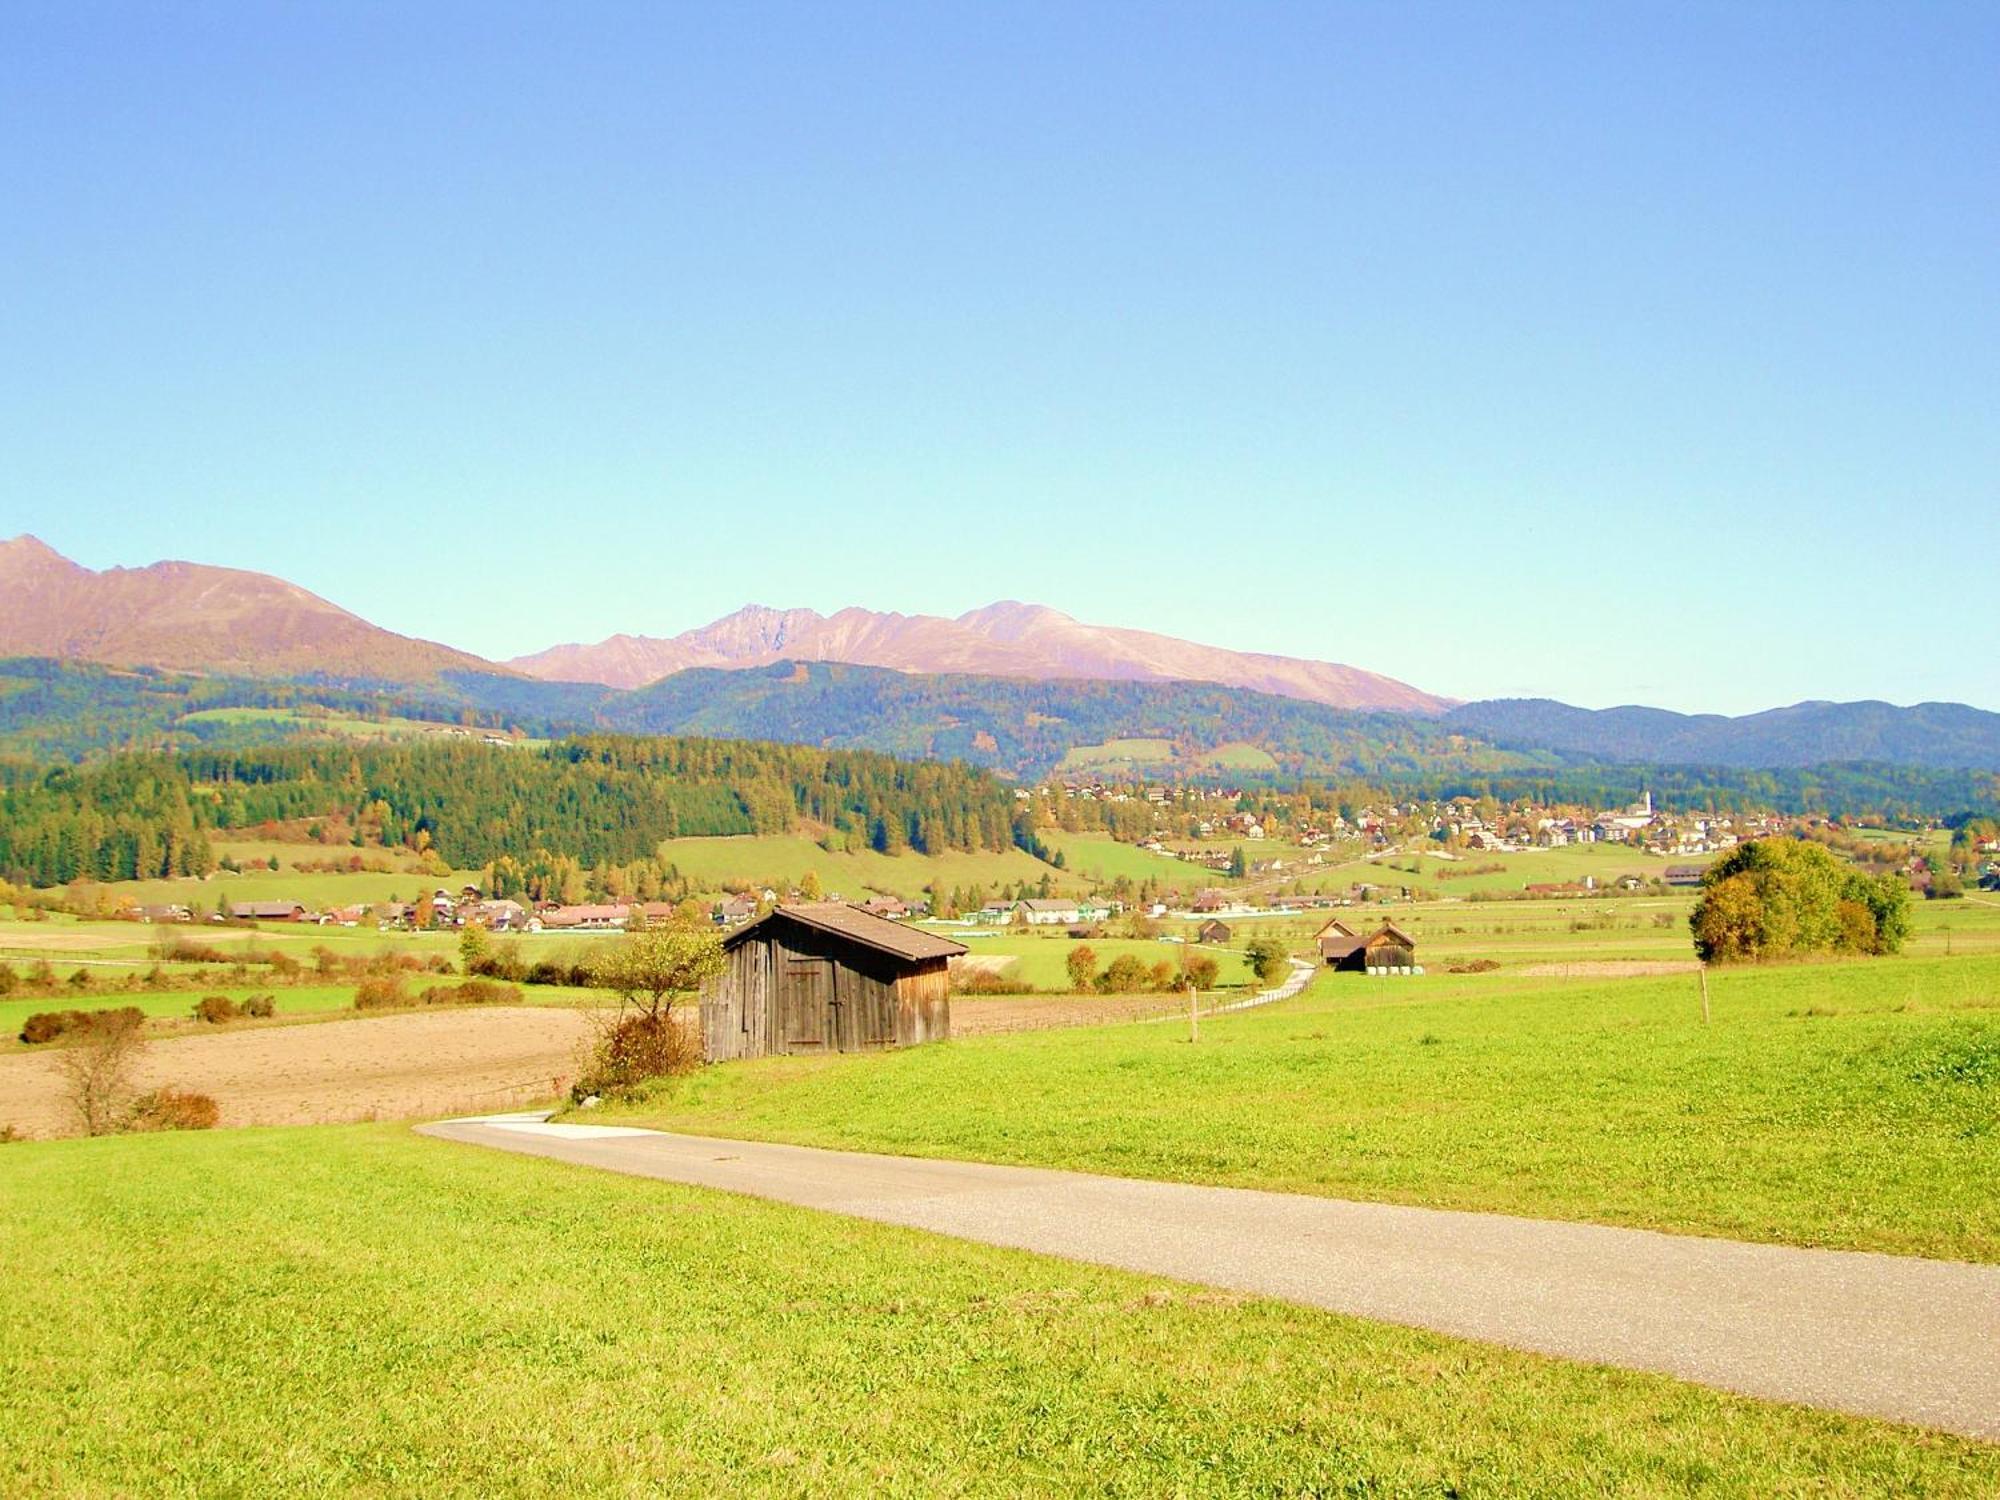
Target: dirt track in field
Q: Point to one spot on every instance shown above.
(986, 1015)
(1612, 968)
(390, 1067)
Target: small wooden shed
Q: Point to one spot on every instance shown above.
(1212, 931)
(824, 976)
(1387, 947)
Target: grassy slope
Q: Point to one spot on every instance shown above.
(1097, 857)
(710, 861)
(358, 1310)
(1849, 1105)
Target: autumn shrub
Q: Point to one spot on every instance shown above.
(262, 1007)
(568, 971)
(9, 980)
(1203, 971)
(983, 981)
(382, 992)
(471, 992)
(1126, 974)
(51, 1025)
(186, 950)
(1781, 898)
(169, 1108)
(47, 1025)
(216, 1009)
(634, 1049)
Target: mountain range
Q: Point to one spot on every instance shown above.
(200, 618)
(193, 616)
(1008, 639)
(1016, 686)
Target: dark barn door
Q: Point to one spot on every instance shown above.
(805, 998)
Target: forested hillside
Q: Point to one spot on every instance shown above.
(1929, 760)
(1943, 735)
(600, 800)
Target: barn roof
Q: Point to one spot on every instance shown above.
(859, 926)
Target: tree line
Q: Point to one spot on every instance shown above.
(597, 799)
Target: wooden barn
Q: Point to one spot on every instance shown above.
(826, 977)
(1387, 947)
(1212, 931)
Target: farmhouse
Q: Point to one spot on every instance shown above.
(826, 977)
(1387, 947)
(589, 917)
(1048, 913)
(1212, 931)
(267, 911)
(1685, 874)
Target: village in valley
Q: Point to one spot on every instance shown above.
(1151, 752)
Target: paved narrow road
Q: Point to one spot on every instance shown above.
(1878, 1335)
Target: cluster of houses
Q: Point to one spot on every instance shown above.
(469, 907)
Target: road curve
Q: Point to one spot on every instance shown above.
(1875, 1335)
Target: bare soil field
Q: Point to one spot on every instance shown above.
(389, 1067)
(1612, 968)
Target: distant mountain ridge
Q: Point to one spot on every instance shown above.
(1024, 728)
(1803, 734)
(195, 617)
(1007, 639)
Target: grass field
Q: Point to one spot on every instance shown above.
(356, 1310)
(1605, 863)
(1854, 1104)
(1043, 960)
(784, 861)
(1099, 858)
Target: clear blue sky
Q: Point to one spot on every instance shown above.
(1616, 353)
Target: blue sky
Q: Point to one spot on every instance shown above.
(1615, 353)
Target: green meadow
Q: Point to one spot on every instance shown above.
(1850, 1104)
(357, 1310)
(1100, 858)
(1043, 959)
(713, 862)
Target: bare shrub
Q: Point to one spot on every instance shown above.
(97, 1068)
(169, 1108)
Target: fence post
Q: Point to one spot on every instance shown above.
(1704, 994)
